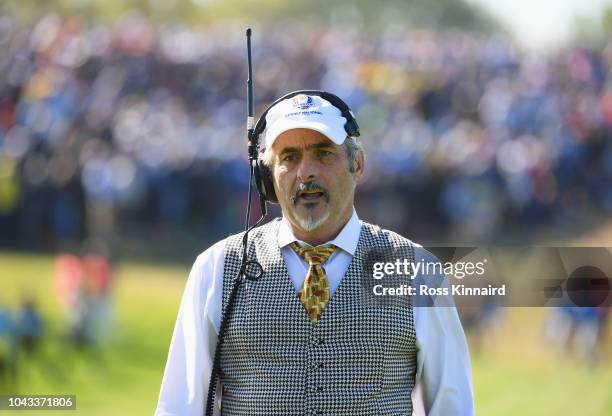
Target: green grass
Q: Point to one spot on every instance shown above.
(515, 372)
(123, 377)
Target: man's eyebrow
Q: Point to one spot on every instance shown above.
(289, 150)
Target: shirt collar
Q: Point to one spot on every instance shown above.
(346, 239)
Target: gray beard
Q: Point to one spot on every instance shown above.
(309, 223)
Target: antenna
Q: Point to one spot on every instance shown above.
(250, 116)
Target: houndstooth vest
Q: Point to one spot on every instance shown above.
(360, 358)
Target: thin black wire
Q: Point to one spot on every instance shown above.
(227, 313)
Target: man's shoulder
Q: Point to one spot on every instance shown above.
(211, 254)
(420, 252)
(386, 234)
(234, 241)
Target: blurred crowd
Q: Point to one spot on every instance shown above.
(467, 136)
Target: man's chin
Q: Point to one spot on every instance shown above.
(311, 222)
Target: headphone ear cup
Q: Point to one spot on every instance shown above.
(263, 180)
(351, 128)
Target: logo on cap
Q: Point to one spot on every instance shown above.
(303, 101)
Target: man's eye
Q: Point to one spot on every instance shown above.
(289, 158)
(325, 153)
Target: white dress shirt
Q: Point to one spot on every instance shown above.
(444, 384)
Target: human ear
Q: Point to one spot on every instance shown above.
(359, 166)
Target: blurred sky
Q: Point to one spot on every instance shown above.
(543, 23)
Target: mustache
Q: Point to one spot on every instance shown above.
(308, 187)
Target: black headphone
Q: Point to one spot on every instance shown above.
(263, 176)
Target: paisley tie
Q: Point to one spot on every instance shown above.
(314, 293)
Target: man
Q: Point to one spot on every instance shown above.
(306, 338)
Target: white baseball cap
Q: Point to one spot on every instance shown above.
(305, 112)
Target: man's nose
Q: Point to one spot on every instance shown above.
(307, 170)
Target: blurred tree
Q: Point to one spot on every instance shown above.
(606, 21)
(430, 13)
(593, 31)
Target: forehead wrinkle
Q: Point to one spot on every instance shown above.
(320, 145)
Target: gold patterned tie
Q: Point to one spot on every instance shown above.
(314, 294)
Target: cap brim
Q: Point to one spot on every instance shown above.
(334, 133)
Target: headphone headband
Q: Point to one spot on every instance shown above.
(351, 127)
